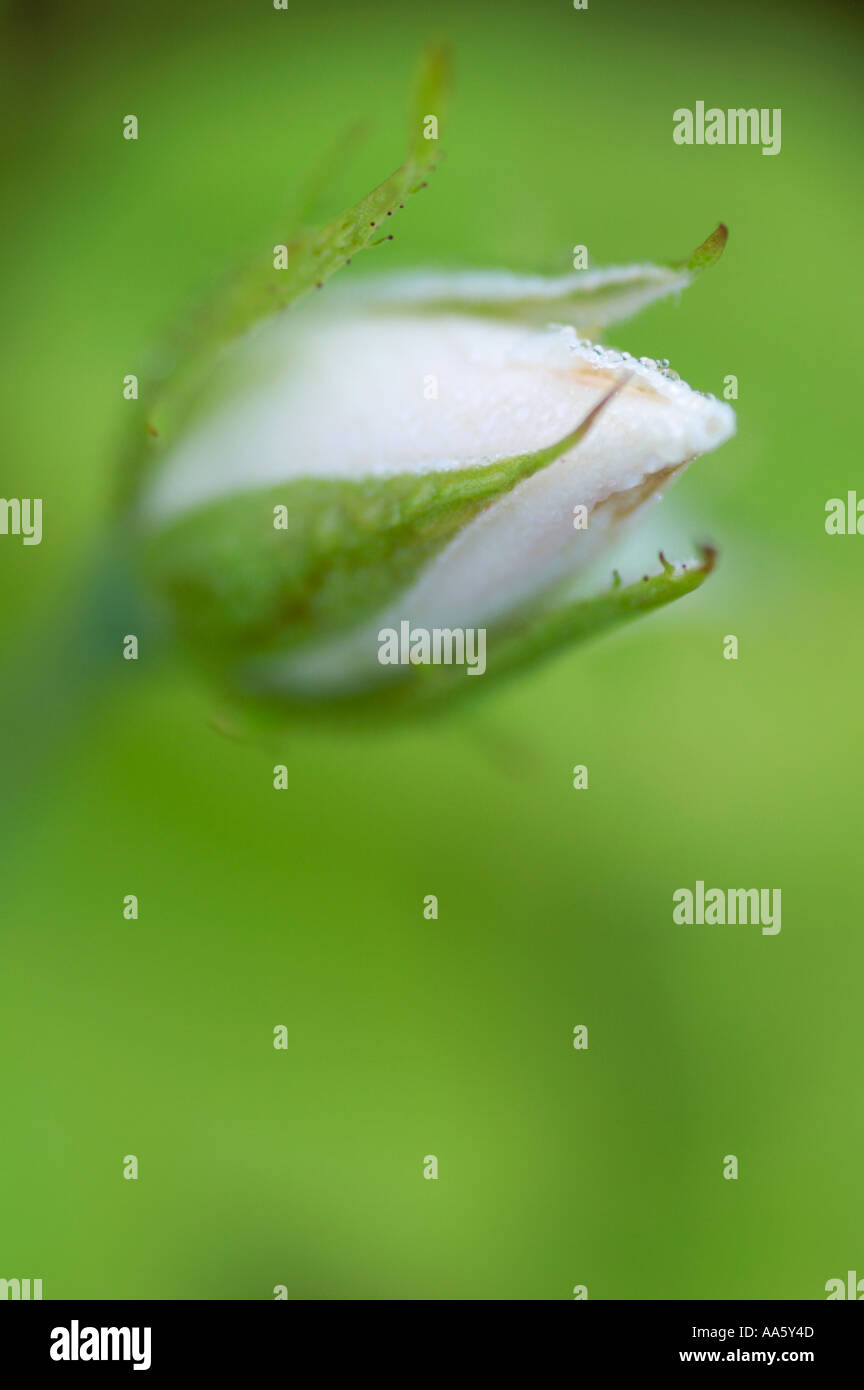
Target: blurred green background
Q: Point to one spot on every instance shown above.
(304, 908)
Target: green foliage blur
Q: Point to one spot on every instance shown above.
(453, 1037)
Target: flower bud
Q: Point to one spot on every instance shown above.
(427, 450)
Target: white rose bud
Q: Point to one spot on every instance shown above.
(414, 453)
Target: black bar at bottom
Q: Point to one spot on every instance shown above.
(218, 1339)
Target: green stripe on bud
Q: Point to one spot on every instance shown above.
(274, 568)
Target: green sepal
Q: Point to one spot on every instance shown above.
(260, 290)
(241, 587)
(512, 648)
(584, 300)
(707, 253)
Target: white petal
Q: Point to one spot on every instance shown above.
(346, 397)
